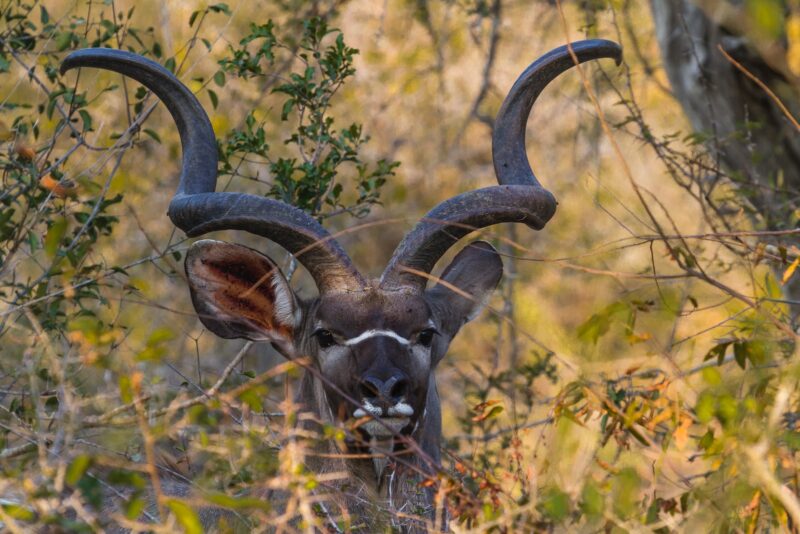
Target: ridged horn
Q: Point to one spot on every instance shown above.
(519, 197)
(196, 208)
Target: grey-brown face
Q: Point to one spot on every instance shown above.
(377, 347)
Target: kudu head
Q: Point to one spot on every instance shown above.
(375, 343)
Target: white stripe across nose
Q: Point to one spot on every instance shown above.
(374, 333)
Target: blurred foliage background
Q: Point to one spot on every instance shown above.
(637, 369)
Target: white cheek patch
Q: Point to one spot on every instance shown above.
(374, 333)
(422, 354)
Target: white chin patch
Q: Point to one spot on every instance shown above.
(368, 409)
(385, 427)
(401, 409)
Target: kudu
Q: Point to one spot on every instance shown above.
(373, 345)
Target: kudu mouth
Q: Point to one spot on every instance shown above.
(384, 408)
(386, 428)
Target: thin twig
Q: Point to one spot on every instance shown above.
(763, 86)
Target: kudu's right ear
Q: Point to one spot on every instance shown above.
(240, 293)
(466, 285)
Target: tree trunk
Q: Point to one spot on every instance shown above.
(756, 144)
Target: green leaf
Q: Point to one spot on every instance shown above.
(159, 336)
(86, 118)
(253, 399)
(125, 389)
(77, 468)
(214, 99)
(625, 489)
(792, 439)
(599, 323)
(121, 477)
(135, 507)
(151, 354)
(153, 135)
(712, 376)
(220, 8)
(718, 351)
(52, 240)
(740, 353)
(768, 16)
(219, 78)
(239, 503)
(555, 504)
(706, 440)
(706, 407)
(63, 40)
(16, 511)
(727, 409)
(186, 516)
(592, 502)
(287, 108)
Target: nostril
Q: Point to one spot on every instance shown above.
(370, 388)
(386, 393)
(399, 389)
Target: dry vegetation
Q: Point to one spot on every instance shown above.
(637, 369)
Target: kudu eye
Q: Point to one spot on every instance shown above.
(425, 337)
(324, 338)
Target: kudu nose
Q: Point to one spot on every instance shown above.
(383, 394)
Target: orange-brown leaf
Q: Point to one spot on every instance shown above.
(25, 153)
(62, 189)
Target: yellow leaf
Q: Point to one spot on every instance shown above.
(633, 338)
(659, 418)
(787, 274)
(681, 433)
(793, 36)
(487, 410)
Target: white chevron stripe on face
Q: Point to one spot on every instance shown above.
(363, 336)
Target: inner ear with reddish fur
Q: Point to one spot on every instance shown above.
(241, 293)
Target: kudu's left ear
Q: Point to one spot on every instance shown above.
(240, 293)
(466, 285)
